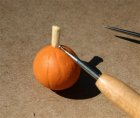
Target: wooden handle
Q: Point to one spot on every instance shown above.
(120, 94)
(55, 36)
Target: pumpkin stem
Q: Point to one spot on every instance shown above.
(55, 36)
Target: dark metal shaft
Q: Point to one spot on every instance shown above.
(85, 67)
(124, 31)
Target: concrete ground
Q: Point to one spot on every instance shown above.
(25, 27)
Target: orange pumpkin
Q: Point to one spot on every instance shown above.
(55, 69)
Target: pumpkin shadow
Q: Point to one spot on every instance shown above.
(85, 87)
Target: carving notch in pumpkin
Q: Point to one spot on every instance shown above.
(53, 68)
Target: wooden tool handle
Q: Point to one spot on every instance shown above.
(120, 94)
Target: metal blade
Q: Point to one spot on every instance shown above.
(123, 31)
(85, 67)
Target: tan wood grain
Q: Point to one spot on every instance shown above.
(120, 94)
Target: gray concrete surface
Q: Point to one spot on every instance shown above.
(25, 27)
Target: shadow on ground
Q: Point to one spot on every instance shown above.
(85, 87)
(128, 39)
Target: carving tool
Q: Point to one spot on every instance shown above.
(123, 31)
(115, 90)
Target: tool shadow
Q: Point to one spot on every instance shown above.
(128, 39)
(85, 87)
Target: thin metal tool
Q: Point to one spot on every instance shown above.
(123, 31)
(93, 73)
(114, 89)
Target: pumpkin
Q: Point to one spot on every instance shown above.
(53, 68)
